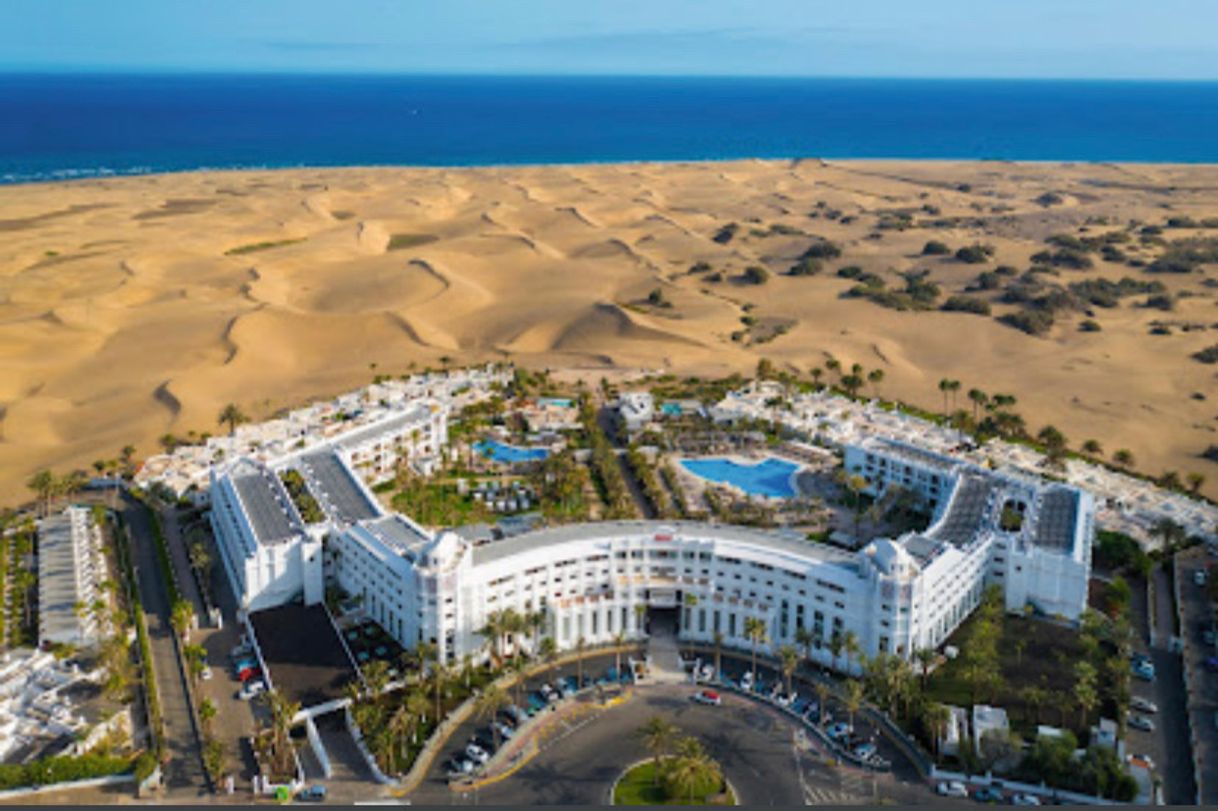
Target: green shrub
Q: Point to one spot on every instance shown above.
(966, 304)
(975, 254)
(935, 248)
(755, 274)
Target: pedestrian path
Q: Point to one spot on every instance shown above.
(665, 656)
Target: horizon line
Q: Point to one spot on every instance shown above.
(111, 71)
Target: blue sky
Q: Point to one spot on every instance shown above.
(1163, 39)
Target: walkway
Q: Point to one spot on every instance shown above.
(662, 649)
(184, 776)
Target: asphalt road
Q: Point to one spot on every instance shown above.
(184, 776)
(762, 753)
(1197, 608)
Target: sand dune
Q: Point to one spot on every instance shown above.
(138, 306)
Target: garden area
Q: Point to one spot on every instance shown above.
(680, 772)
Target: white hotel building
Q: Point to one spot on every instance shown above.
(894, 595)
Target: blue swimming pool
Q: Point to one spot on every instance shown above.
(671, 409)
(509, 454)
(559, 402)
(769, 478)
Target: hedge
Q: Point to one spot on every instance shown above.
(61, 769)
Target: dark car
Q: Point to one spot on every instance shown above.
(987, 795)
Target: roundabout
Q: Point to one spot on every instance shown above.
(582, 758)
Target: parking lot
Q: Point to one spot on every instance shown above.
(761, 751)
(1197, 614)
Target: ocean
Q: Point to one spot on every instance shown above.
(72, 126)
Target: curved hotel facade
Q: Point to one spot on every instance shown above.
(900, 595)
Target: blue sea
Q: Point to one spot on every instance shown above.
(67, 126)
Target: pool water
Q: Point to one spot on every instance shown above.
(509, 454)
(671, 409)
(771, 477)
(559, 402)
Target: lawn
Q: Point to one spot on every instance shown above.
(638, 787)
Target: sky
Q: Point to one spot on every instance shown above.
(1105, 39)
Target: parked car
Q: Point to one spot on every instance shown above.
(239, 652)
(746, 681)
(205, 673)
(249, 673)
(477, 754)
(1143, 704)
(458, 765)
(839, 730)
(311, 794)
(987, 794)
(706, 673)
(1211, 663)
(1144, 670)
(951, 788)
(1025, 799)
(1199, 577)
(1141, 722)
(709, 697)
(1208, 636)
(864, 751)
(516, 715)
(250, 689)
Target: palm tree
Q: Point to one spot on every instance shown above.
(401, 727)
(580, 645)
(817, 373)
(196, 660)
(1123, 458)
(658, 735)
(488, 704)
(875, 377)
(804, 638)
(936, 717)
(1092, 447)
(180, 617)
(43, 485)
(200, 558)
(282, 714)
(640, 611)
(1035, 698)
(718, 654)
(979, 398)
(1195, 481)
(853, 699)
(231, 416)
(835, 647)
(944, 388)
(417, 705)
(755, 630)
(790, 660)
(926, 657)
(850, 643)
(376, 676)
(207, 713)
(822, 696)
(692, 769)
(619, 639)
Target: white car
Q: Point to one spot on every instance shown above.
(1143, 704)
(1141, 722)
(747, 680)
(708, 697)
(707, 673)
(1025, 799)
(477, 754)
(205, 674)
(951, 788)
(252, 688)
(1199, 577)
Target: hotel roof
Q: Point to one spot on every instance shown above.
(331, 483)
(398, 534)
(556, 536)
(1056, 517)
(386, 425)
(61, 573)
(267, 504)
(967, 512)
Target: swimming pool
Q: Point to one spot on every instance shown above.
(671, 409)
(509, 454)
(771, 477)
(559, 402)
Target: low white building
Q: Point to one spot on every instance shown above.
(988, 720)
(636, 409)
(70, 571)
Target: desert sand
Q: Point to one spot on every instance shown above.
(138, 306)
